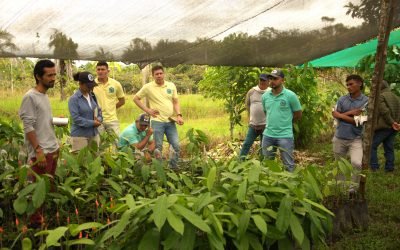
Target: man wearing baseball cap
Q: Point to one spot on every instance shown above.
(282, 108)
(257, 117)
(138, 135)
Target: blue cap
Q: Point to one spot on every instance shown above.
(263, 77)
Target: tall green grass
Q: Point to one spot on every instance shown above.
(198, 112)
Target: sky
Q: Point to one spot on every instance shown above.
(112, 24)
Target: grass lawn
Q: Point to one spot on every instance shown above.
(198, 112)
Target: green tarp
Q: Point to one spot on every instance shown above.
(351, 56)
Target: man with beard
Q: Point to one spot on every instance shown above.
(282, 108)
(35, 113)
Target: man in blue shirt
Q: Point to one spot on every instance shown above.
(347, 139)
(282, 108)
(138, 135)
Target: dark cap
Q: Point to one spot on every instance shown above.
(87, 78)
(144, 119)
(276, 73)
(263, 77)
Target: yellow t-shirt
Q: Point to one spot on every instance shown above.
(107, 95)
(159, 98)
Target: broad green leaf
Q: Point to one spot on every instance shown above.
(306, 243)
(175, 222)
(22, 174)
(160, 211)
(119, 227)
(315, 221)
(189, 237)
(1, 213)
(255, 242)
(172, 199)
(26, 244)
(216, 241)
(137, 189)
(20, 205)
(270, 189)
(260, 223)
(244, 242)
(203, 200)
(188, 182)
(234, 177)
(130, 201)
(173, 176)
(150, 240)
(241, 193)
(260, 200)
(145, 171)
(171, 241)
(319, 206)
(55, 235)
(89, 225)
(82, 241)
(296, 229)
(216, 224)
(345, 167)
(192, 218)
(254, 173)
(160, 171)
(311, 180)
(243, 223)
(114, 185)
(284, 214)
(39, 194)
(211, 178)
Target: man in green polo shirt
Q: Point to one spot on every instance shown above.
(138, 135)
(282, 108)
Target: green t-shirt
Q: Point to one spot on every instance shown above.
(279, 110)
(131, 135)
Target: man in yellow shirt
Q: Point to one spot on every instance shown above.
(110, 96)
(163, 105)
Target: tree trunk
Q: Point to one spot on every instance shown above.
(145, 71)
(63, 79)
(11, 75)
(386, 20)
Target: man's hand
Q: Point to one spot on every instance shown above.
(396, 126)
(40, 158)
(152, 112)
(149, 131)
(179, 120)
(96, 123)
(354, 112)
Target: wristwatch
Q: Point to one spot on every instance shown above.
(179, 115)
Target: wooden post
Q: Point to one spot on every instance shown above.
(386, 20)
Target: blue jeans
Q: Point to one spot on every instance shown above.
(385, 136)
(286, 147)
(169, 129)
(248, 142)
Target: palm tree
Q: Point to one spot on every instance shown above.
(101, 55)
(6, 43)
(64, 48)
